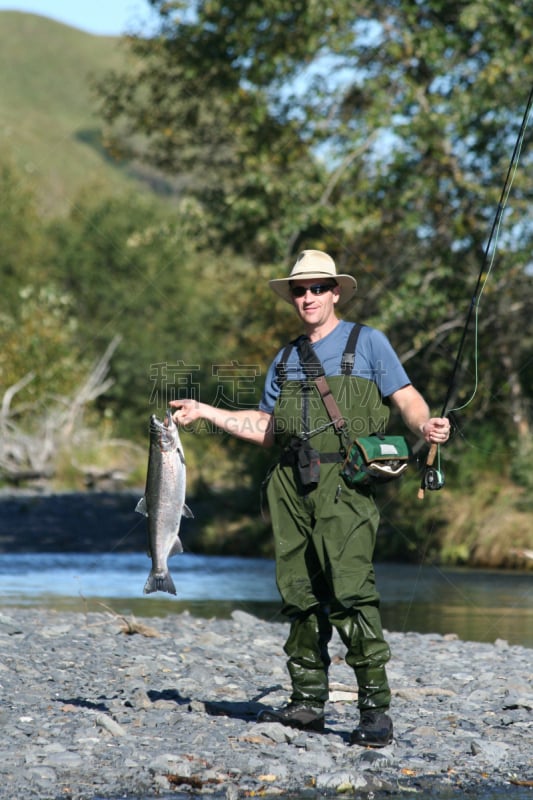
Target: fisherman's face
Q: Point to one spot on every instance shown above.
(315, 307)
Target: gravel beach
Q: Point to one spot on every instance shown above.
(101, 706)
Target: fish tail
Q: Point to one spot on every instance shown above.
(159, 582)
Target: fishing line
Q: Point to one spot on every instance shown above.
(485, 271)
(433, 478)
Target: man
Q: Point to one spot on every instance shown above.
(324, 532)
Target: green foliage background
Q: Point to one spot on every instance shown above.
(153, 186)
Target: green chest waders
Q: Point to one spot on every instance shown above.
(324, 542)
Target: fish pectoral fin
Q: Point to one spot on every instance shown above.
(141, 507)
(176, 548)
(186, 511)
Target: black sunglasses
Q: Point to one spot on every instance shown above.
(316, 288)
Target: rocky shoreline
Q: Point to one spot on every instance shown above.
(101, 706)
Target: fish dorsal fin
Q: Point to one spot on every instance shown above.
(186, 511)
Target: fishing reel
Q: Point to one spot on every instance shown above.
(433, 479)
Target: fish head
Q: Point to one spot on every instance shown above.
(164, 432)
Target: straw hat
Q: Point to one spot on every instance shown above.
(312, 264)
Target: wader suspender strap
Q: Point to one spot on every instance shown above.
(347, 360)
(315, 371)
(348, 357)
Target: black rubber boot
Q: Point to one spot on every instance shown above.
(374, 730)
(296, 715)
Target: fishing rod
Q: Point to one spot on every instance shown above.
(432, 476)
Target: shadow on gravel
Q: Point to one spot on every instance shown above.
(170, 695)
(81, 702)
(245, 710)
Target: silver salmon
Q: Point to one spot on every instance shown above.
(164, 501)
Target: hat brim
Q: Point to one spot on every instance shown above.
(347, 285)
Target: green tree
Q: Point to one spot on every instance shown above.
(445, 85)
(129, 269)
(23, 245)
(203, 101)
(380, 131)
(36, 316)
(40, 363)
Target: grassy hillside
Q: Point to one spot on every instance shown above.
(47, 121)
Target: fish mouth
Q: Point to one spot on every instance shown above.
(164, 432)
(166, 422)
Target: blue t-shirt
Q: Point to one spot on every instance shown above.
(375, 359)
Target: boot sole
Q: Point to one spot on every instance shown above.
(317, 726)
(368, 743)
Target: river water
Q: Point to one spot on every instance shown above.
(477, 605)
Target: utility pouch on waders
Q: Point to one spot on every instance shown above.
(376, 458)
(305, 459)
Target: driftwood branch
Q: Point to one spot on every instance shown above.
(28, 448)
(11, 392)
(96, 384)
